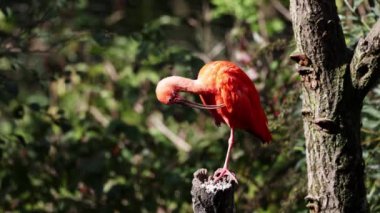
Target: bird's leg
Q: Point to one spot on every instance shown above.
(230, 144)
(224, 171)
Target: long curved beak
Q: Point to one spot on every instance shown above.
(198, 106)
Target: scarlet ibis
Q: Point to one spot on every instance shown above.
(228, 93)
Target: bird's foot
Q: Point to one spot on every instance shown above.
(219, 173)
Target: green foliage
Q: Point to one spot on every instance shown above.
(81, 129)
(357, 18)
(237, 9)
(371, 144)
(252, 12)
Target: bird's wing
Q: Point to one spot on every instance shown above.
(243, 108)
(209, 99)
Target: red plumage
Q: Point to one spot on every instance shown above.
(233, 88)
(230, 96)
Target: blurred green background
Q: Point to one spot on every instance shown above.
(82, 131)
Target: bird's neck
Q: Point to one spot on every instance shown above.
(181, 84)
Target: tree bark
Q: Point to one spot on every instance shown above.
(212, 197)
(334, 83)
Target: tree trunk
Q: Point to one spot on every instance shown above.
(334, 83)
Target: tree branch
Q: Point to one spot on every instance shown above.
(365, 64)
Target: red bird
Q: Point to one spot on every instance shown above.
(230, 96)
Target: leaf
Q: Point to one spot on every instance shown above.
(119, 180)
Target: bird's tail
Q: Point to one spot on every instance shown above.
(260, 127)
(265, 135)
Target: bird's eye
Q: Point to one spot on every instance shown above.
(172, 97)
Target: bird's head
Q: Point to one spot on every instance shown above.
(168, 88)
(166, 92)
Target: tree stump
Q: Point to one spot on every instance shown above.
(212, 197)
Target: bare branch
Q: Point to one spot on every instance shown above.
(365, 64)
(281, 9)
(156, 121)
